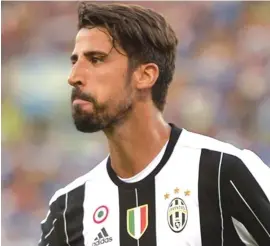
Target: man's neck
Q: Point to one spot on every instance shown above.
(135, 143)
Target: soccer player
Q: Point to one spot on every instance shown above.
(160, 185)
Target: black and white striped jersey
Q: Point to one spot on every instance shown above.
(203, 192)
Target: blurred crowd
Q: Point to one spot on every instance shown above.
(221, 88)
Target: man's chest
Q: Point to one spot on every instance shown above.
(154, 215)
(163, 210)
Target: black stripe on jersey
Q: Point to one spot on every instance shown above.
(74, 216)
(240, 182)
(49, 227)
(210, 218)
(127, 200)
(60, 224)
(146, 195)
(213, 214)
(69, 224)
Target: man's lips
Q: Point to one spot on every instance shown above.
(77, 101)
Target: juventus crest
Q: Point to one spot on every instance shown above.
(177, 215)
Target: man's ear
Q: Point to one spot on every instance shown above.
(146, 76)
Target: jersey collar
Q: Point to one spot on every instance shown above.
(174, 136)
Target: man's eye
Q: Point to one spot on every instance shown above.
(96, 60)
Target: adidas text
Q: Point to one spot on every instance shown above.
(102, 241)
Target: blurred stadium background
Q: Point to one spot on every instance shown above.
(221, 88)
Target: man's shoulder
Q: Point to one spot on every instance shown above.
(231, 153)
(95, 173)
(203, 142)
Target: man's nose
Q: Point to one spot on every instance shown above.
(76, 76)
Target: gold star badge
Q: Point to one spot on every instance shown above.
(166, 196)
(176, 190)
(187, 192)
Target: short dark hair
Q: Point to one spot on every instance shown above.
(142, 33)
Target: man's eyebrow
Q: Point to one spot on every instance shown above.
(74, 57)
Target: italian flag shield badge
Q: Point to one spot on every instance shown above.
(137, 221)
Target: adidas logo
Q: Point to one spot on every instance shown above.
(102, 237)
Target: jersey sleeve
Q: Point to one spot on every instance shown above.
(247, 196)
(49, 226)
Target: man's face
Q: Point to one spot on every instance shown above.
(102, 89)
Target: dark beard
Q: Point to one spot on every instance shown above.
(100, 120)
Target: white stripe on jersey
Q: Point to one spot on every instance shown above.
(78, 182)
(137, 218)
(181, 171)
(101, 193)
(49, 233)
(219, 200)
(259, 170)
(198, 141)
(43, 221)
(65, 221)
(243, 233)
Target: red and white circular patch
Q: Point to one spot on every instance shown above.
(100, 214)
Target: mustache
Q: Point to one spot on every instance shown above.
(78, 94)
